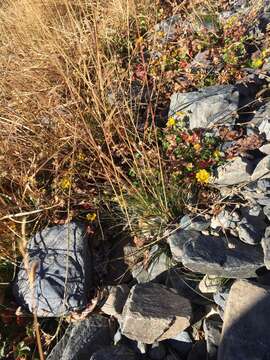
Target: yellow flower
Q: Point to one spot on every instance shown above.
(217, 154)
(197, 147)
(81, 156)
(203, 176)
(170, 122)
(257, 63)
(91, 217)
(65, 183)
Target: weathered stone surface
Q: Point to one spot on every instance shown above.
(226, 219)
(82, 339)
(262, 169)
(158, 265)
(246, 323)
(234, 172)
(115, 353)
(220, 298)
(177, 241)
(198, 223)
(207, 106)
(209, 284)
(168, 28)
(154, 313)
(212, 327)
(266, 247)
(116, 300)
(265, 149)
(222, 257)
(63, 275)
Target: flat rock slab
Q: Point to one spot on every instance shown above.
(234, 172)
(63, 273)
(222, 257)
(245, 333)
(115, 353)
(153, 313)
(82, 339)
(208, 106)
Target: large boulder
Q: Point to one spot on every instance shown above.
(208, 106)
(223, 257)
(62, 276)
(153, 313)
(246, 323)
(82, 339)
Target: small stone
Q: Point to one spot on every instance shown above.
(82, 339)
(181, 343)
(255, 210)
(214, 256)
(115, 353)
(264, 128)
(212, 327)
(266, 247)
(251, 228)
(177, 241)
(198, 223)
(265, 149)
(207, 106)
(209, 284)
(63, 272)
(262, 169)
(266, 211)
(225, 219)
(116, 300)
(234, 172)
(157, 351)
(159, 264)
(263, 185)
(246, 322)
(220, 298)
(153, 313)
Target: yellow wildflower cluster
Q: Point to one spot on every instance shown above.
(91, 216)
(203, 176)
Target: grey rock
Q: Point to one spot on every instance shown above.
(234, 172)
(212, 327)
(251, 228)
(222, 257)
(139, 273)
(207, 106)
(220, 298)
(198, 223)
(177, 241)
(198, 351)
(82, 339)
(255, 210)
(63, 275)
(116, 300)
(246, 323)
(263, 185)
(154, 313)
(115, 353)
(266, 247)
(181, 343)
(265, 148)
(157, 351)
(266, 211)
(264, 128)
(226, 219)
(158, 265)
(261, 169)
